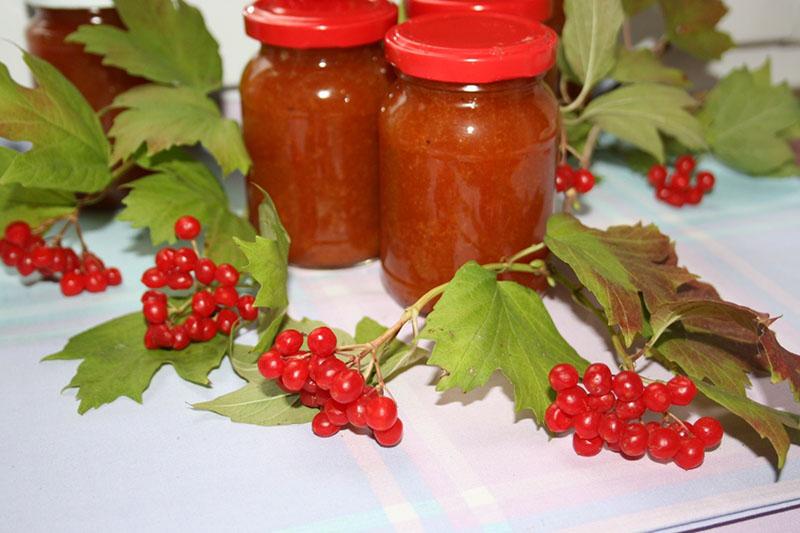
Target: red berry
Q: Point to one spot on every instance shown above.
(609, 428)
(321, 396)
(226, 320)
(25, 265)
(628, 385)
(663, 193)
(150, 340)
(322, 426)
(676, 199)
(656, 397)
(633, 440)
(165, 259)
(96, 282)
(204, 271)
(72, 284)
(652, 426)
(586, 424)
(631, 409)
(155, 312)
(327, 370)
(663, 444)
(271, 364)
(203, 304)
(657, 175)
(694, 196)
(309, 399)
(357, 412)
(572, 401)
(289, 342)
(154, 295)
(392, 436)
(61, 261)
(179, 281)
(11, 254)
(185, 259)
(322, 342)
(683, 429)
(347, 386)
(153, 278)
(679, 182)
(705, 181)
(602, 404)
(565, 177)
(92, 263)
(18, 233)
(113, 276)
(208, 329)
(584, 181)
(310, 385)
(227, 275)
(336, 412)
(682, 390)
(708, 430)
(691, 453)
(41, 256)
(187, 228)
(194, 326)
(685, 164)
(180, 338)
(597, 379)
(226, 296)
(163, 335)
(563, 376)
(586, 447)
(246, 308)
(557, 420)
(295, 374)
(381, 412)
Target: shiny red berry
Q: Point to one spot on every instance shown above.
(586, 447)
(289, 342)
(597, 379)
(676, 198)
(62, 261)
(245, 306)
(11, 254)
(113, 277)
(572, 401)
(337, 412)
(706, 181)
(602, 404)
(96, 282)
(180, 338)
(295, 374)
(381, 411)
(72, 284)
(271, 364)
(204, 271)
(187, 228)
(322, 342)
(92, 263)
(709, 430)
(565, 177)
(150, 340)
(663, 444)
(179, 281)
(679, 182)
(663, 193)
(165, 259)
(227, 275)
(357, 411)
(18, 233)
(203, 304)
(208, 329)
(154, 295)
(563, 376)
(153, 278)
(322, 426)
(557, 420)
(656, 397)
(584, 181)
(194, 326)
(610, 427)
(657, 175)
(185, 259)
(347, 386)
(327, 371)
(631, 409)
(633, 440)
(155, 312)
(390, 437)
(694, 196)
(41, 256)
(25, 265)
(226, 320)
(226, 296)
(691, 453)
(682, 390)
(586, 424)
(628, 385)
(685, 164)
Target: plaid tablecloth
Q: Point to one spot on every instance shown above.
(467, 461)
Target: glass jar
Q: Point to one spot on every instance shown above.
(310, 103)
(52, 22)
(468, 138)
(539, 10)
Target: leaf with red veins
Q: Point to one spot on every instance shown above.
(783, 364)
(617, 265)
(691, 26)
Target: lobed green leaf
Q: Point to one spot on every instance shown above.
(590, 37)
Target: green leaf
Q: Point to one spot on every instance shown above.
(243, 360)
(633, 7)
(70, 151)
(397, 356)
(186, 187)
(637, 113)
(768, 422)
(261, 403)
(163, 117)
(617, 265)
(116, 363)
(590, 37)
(166, 41)
(691, 26)
(481, 325)
(635, 66)
(267, 265)
(747, 120)
(35, 206)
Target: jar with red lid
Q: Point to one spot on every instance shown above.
(310, 103)
(52, 22)
(468, 139)
(539, 10)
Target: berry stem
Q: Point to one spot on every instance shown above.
(588, 148)
(79, 233)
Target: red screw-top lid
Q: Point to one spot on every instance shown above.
(540, 10)
(319, 23)
(471, 47)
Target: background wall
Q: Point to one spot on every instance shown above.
(761, 27)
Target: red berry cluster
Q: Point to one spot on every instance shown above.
(579, 179)
(28, 253)
(678, 190)
(608, 410)
(217, 308)
(326, 382)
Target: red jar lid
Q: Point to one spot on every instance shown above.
(471, 47)
(319, 23)
(540, 10)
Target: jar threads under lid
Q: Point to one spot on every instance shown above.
(539, 10)
(71, 4)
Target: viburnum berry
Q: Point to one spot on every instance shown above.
(18, 233)
(584, 181)
(557, 420)
(245, 306)
(597, 379)
(663, 444)
(289, 342)
(179, 281)
(602, 404)
(705, 181)
(633, 439)
(203, 304)
(155, 312)
(357, 412)
(572, 401)
(337, 412)
(631, 409)
(295, 374)
(627, 385)
(656, 397)
(610, 427)
(347, 386)
(322, 342)
(563, 376)
(381, 412)
(154, 278)
(42, 256)
(679, 182)
(227, 275)
(322, 426)
(326, 371)
(185, 259)
(390, 437)
(691, 453)
(657, 176)
(586, 447)
(271, 364)
(226, 296)
(25, 266)
(205, 271)
(564, 178)
(226, 320)
(586, 424)
(165, 259)
(180, 338)
(708, 430)
(187, 228)
(72, 284)
(682, 390)
(685, 164)
(113, 277)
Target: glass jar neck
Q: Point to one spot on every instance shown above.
(93, 15)
(518, 84)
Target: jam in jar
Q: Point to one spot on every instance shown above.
(539, 10)
(310, 103)
(52, 22)
(468, 139)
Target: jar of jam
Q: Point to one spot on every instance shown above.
(52, 22)
(468, 139)
(539, 10)
(310, 103)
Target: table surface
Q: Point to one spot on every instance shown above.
(463, 463)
